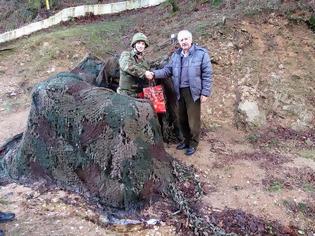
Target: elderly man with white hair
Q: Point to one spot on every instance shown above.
(191, 71)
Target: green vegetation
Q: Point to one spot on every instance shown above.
(38, 4)
(174, 5)
(253, 138)
(11, 105)
(4, 201)
(308, 187)
(273, 142)
(34, 4)
(90, 34)
(305, 208)
(62, 43)
(275, 186)
(216, 2)
(308, 154)
(311, 22)
(202, 29)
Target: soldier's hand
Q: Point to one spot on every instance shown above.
(149, 75)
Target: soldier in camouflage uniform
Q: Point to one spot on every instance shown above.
(133, 67)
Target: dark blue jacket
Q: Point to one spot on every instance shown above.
(199, 71)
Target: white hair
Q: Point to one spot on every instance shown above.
(184, 33)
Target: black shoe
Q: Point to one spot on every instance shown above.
(181, 146)
(190, 151)
(6, 216)
(1, 232)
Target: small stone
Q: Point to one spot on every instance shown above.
(301, 232)
(152, 222)
(295, 77)
(230, 45)
(54, 200)
(75, 56)
(104, 219)
(52, 69)
(309, 142)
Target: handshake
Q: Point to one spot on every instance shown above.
(149, 75)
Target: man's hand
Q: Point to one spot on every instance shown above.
(203, 99)
(149, 75)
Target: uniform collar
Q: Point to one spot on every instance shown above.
(134, 53)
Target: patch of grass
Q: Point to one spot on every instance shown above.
(253, 138)
(307, 154)
(214, 127)
(311, 22)
(270, 229)
(92, 34)
(202, 29)
(305, 208)
(254, 7)
(216, 3)
(302, 207)
(307, 187)
(63, 42)
(273, 142)
(228, 169)
(4, 201)
(173, 4)
(275, 186)
(10, 105)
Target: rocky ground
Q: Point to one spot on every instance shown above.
(256, 159)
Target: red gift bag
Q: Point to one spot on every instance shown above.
(156, 96)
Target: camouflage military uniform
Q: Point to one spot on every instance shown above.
(132, 70)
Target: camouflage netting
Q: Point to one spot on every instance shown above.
(92, 137)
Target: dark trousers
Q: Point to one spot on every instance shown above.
(189, 117)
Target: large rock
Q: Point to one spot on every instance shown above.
(251, 114)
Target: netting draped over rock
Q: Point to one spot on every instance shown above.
(82, 135)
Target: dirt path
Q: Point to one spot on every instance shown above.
(12, 124)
